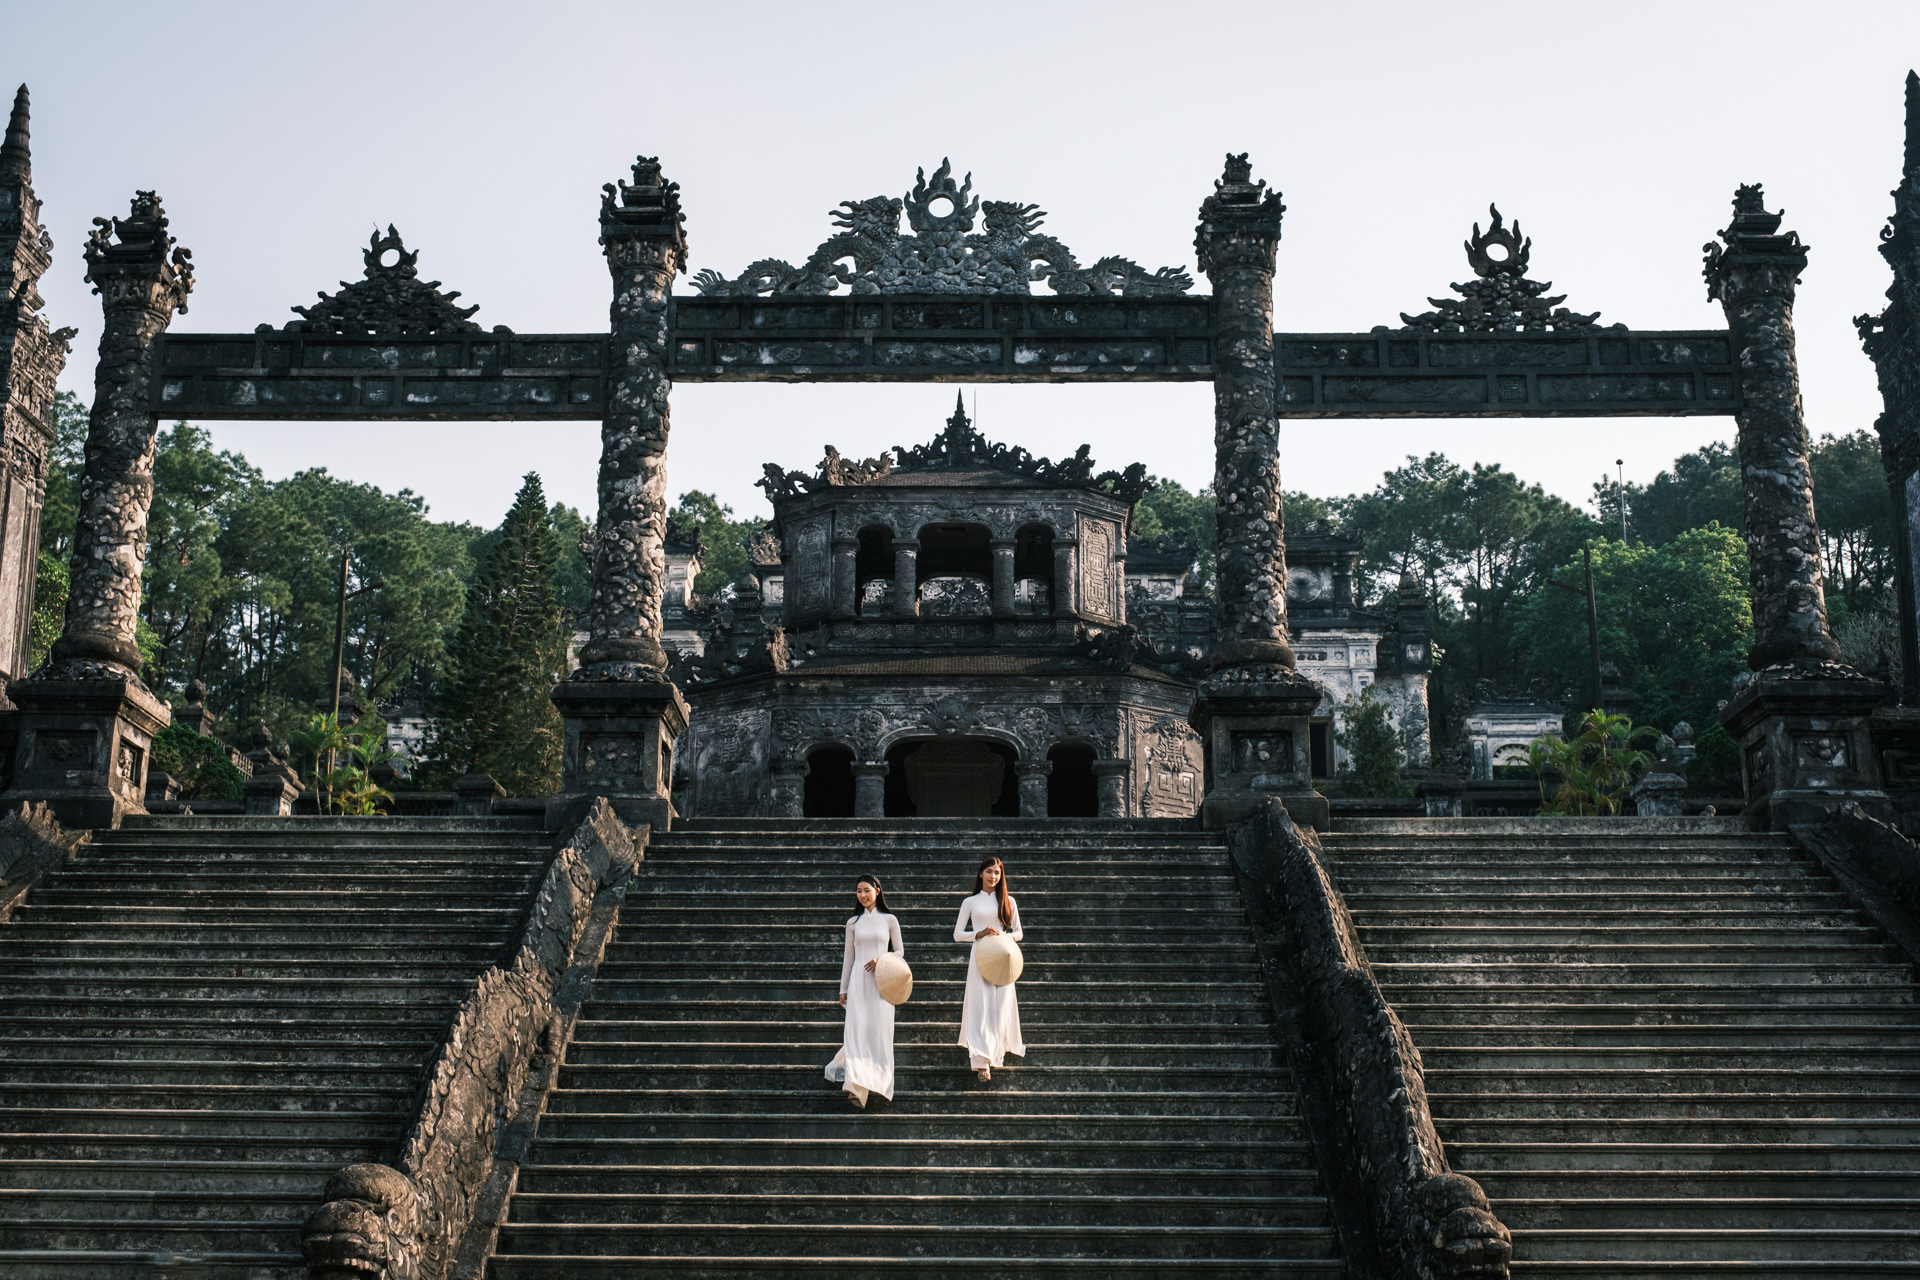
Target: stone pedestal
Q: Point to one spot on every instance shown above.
(1252, 723)
(1439, 793)
(1805, 745)
(870, 789)
(1110, 786)
(788, 796)
(1033, 776)
(473, 795)
(83, 747)
(1660, 795)
(619, 744)
(271, 791)
(1896, 739)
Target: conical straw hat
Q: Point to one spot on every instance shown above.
(893, 978)
(999, 959)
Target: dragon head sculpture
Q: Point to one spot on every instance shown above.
(1464, 1238)
(369, 1228)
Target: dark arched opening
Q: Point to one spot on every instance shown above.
(956, 551)
(829, 790)
(1070, 789)
(951, 778)
(1033, 568)
(872, 561)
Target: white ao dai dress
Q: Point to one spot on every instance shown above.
(990, 1018)
(865, 1060)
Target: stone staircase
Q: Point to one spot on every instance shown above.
(1664, 1047)
(1152, 1129)
(205, 1017)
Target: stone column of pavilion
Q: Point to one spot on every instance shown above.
(1252, 711)
(32, 355)
(1892, 339)
(1801, 719)
(622, 714)
(86, 719)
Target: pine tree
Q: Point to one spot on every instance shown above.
(495, 716)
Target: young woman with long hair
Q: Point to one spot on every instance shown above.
(865, 1062)
(990, 1017)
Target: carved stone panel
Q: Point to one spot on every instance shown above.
(810, 569)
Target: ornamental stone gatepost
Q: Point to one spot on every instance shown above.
(1252, 711)
(1802, 719)
(32, 356)
(622, 714)
(87, 722)
(1892, 339)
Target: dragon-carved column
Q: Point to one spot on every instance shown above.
(87, 720)
(1802, 718)
(1892, 339)
(622, 714)
(32, 355)
(1252, 710)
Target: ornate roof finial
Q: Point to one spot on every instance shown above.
(145, 267)
(648, 207)
(15, 160)
(1502, 299)
(1900, 243)
(390, 302)
(1238, 206)
(1752, 237)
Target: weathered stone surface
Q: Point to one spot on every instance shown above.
(437, 1211)
(32, 355)
(1753, 277)
(1401, 1211)
(1500, 299)
(646, 246)
(1238, 237)
(32, 843)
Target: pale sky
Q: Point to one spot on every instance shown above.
(279, 136)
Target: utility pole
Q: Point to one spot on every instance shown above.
(1620, 489)
(340, 638)
(1593, 620)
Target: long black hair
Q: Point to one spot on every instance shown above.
(879, 896)
(999, 890)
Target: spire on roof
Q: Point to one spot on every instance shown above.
(14, 160)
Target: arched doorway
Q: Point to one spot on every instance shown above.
(1070, 789)
(829, 786)
(951, 778)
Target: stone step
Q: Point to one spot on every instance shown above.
(23, 973)
(165, 1065)
(1721, 1158)
(986, 1182)
(1595, 906)
(1637, 1104)
(992, 1264)
(158, 826)
(1408, 991)
(644, 1056)
(1404, 940)
(1580, 1180)
(1830, 1246)
(1901, 1135)
(1434, 1014)
(964, 1094)
(984, 1128)
(239, 1141)
(621, 1000)
(1783, 913)
(1480, 971)
(805, 965)
(138, 953)
(927, 1210)
(1249, 1008)
(176, 1235)
(608, 1042)
(492, 921)
(215, 1042)
(1782, 1212)
(1016, 1237)
(1688, 1036)
(273, 1179)
(1201, 1153)
(1481, 1076)
(800, 1076)
(1902, 1054)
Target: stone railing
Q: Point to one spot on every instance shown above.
(1400, 1211)
(435, 1212)
(32, 843)
(1879, 866)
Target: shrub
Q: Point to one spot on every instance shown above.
(1373, 745)
(200, 765)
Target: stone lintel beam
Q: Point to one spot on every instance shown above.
(1753, 277)
(1238, 237)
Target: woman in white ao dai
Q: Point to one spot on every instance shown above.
(865, 1062)
(990, 1018)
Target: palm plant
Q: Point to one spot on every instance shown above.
(1592, 772)
(339, 765)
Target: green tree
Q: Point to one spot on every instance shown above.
(50, 587)
(66, 457)
(702, 518)
(199, 764)
(184, 586)
(1675, 619)
(1854, 509)
(1702, 488)
(495, 713)
(1370, 740)
(1593, 772)
(1170, 508)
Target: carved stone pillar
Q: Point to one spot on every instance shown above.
(789, 795)
(870, 789)
(87, 722)
(1002, 577)
(906, 577)
(1033, 775)
(1802, 719)
(844, 551)
(1892, 339)
(1066, 580)
(31, 358)
(622, 716)
(1252, 712)
(1110, 786)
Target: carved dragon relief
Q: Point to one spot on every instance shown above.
(944, 254)
(390, 302)
(1501, 299)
